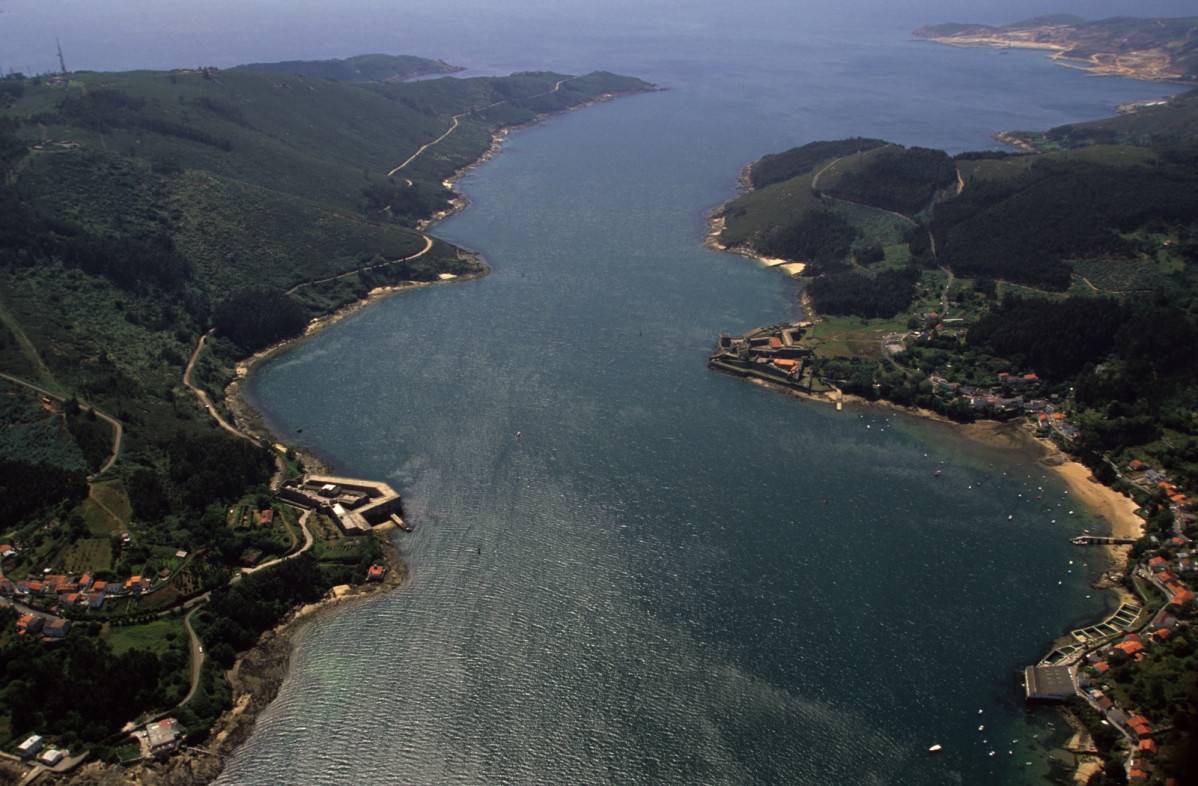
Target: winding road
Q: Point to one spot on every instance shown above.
(203, 396)
(118, 431)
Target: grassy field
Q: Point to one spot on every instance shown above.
(86, 555)
(155, 636)
(852, 337)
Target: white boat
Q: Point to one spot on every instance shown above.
(935, 749)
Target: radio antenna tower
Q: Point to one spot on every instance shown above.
(62, 63)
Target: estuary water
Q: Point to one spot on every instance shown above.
(627, 568)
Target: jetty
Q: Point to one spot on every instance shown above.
(1100, 540)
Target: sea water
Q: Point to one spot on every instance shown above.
(627, 568)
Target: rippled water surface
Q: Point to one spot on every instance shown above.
(627, 568)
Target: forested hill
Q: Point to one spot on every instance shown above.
(362, 68)
(1162, 122)
(142, 209)
(1079, 266)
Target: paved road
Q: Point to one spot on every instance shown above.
(203, 396)
(197, 655)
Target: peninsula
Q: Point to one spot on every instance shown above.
(1052, 294)
(1157, 50)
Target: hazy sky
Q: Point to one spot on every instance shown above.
(126, 34)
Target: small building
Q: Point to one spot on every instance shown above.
(267, 517)
(1048, 683)
(164, 735)
(29, 748)
(57, 628)
(1139, 725)
(1129, 649)
(30, 623)
(51, 756)
(376, 572)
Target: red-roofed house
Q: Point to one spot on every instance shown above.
(1129, 648)
(1147, 746)
(267, 517)
(1157, 564)
(1140, 726)
(1102, 667)
(30, 623)
(376, 572)
(1180, 595)
(1136, 466)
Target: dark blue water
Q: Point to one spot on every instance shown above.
(629, 569)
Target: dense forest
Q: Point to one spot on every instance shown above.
(904, 181)
(79, 691)
(820, 236)
(779, 167)
(873, 297)
(1025, 229)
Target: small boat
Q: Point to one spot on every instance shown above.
(981, 728)
(935, 748)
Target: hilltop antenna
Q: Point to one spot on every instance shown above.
(62, 63)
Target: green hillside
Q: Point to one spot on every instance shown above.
(150, 215)
(362, 68)
(1164, 122)
(1077, 266)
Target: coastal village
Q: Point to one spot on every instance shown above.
(1159, 583)
(331, 512)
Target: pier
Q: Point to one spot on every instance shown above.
(1100, 540)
